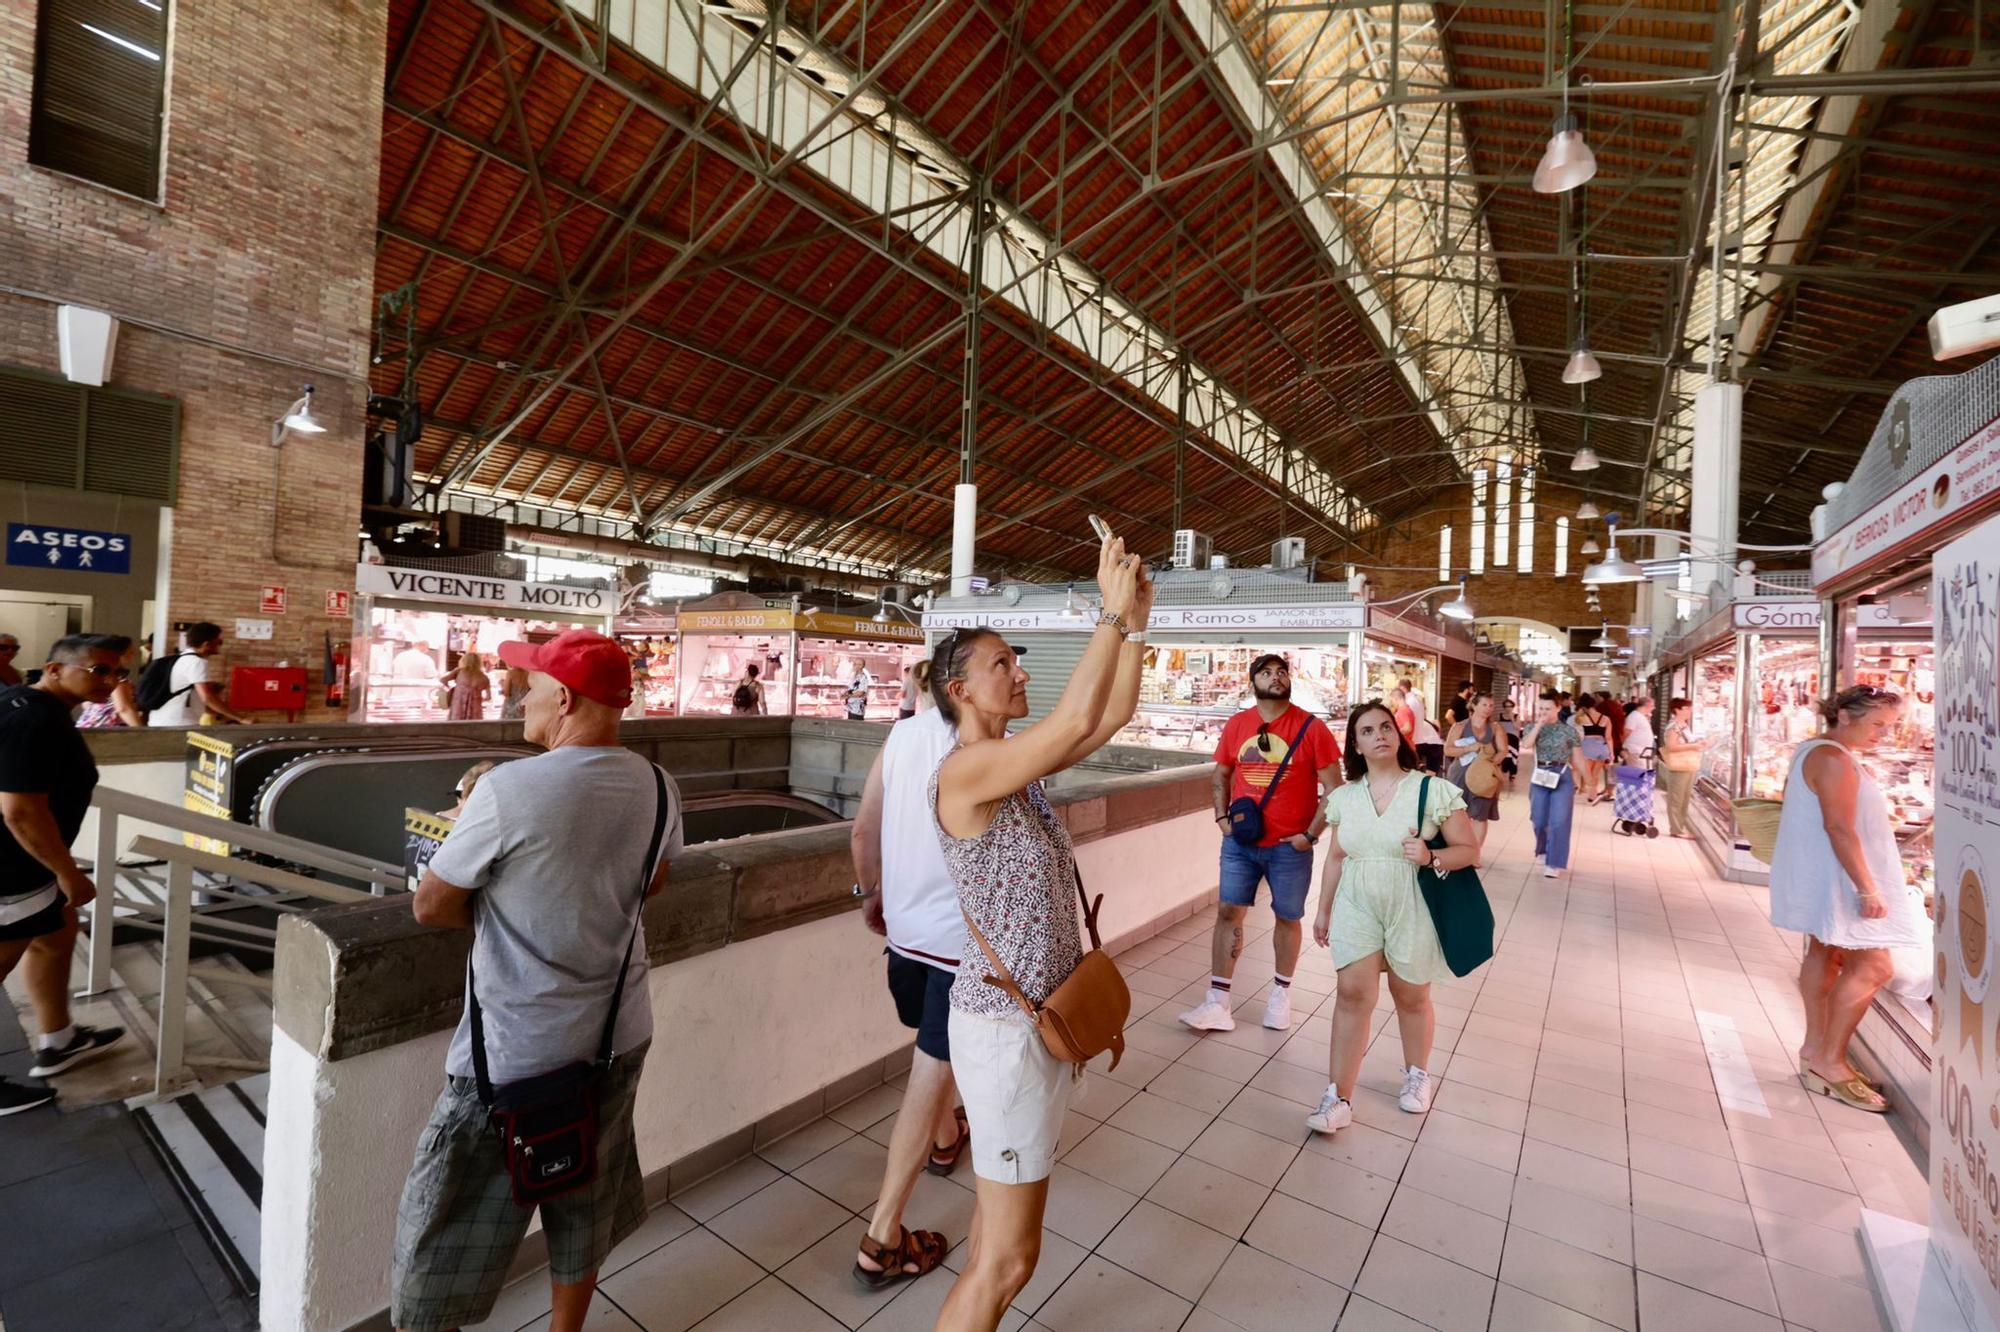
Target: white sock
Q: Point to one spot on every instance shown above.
(49, 1040)
(1337, 1097)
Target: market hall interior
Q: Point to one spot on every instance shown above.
(1623, 351)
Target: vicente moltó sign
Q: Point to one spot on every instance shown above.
(382, 580)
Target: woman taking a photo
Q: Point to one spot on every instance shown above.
(1837, 878)
(1596, 750)
(1553, 746)
(1477, 737)
(1371, 914)
(1011, 860)
(1680, 760)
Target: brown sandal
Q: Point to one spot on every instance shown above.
(946, 1161)
(919, 1249)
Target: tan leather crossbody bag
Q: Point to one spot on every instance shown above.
(1086, 1014)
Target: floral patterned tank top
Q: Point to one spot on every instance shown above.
(1017, 880)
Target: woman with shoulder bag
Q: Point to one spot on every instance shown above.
(1553, 746)
(1016, 875)
(1371, 913)
(1477, 738)
(1680, 760)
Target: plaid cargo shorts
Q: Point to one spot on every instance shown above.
(458, 1227)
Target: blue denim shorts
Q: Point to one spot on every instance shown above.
(1288, 871)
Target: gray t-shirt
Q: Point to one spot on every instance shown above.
(553, 844)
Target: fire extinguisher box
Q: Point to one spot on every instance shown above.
(268, 688)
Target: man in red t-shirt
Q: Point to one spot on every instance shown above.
(1247, 760)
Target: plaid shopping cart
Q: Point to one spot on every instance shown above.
(1632, 801)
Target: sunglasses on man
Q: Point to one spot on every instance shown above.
(102, 671)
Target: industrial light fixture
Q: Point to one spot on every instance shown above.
(1590, 546)
(297, 417)
(1070, 610)
(1604, 639)
(1587, 511)
(881, 615)
(1567, 162)
(1612, 569)
(1584, 460)
(1582, 367)
(1458, 608)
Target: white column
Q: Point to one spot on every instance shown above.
(1718, 450)
(964, 514)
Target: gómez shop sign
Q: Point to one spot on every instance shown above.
(383, 580)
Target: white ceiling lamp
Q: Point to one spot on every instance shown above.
(1585, 460)
(1611, 569)
(1070, 610)
(881, 615)
(1582, 367)
(1590, 546)
(1588, 511)
(1567, 162)
(298, 417)
(1458, 608)
(1603, 639)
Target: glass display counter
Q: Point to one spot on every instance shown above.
(1712, 685)
(1784, 694)
(828, 668)
(655, 682)
(1903, 763)
(712, 665)
(408, 656)
(1386, 665)
(1187, 692)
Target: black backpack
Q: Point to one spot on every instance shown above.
(156, 683)
(744, 699)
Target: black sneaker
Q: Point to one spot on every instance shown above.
(18, 1096)
(88, 1042)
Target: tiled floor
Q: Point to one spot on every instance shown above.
(1618, 1141)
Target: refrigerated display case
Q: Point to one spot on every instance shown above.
(828, 668)
(712, 665)
(655, 653)
(1187, 692)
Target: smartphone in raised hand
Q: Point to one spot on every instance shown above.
(1099, 526)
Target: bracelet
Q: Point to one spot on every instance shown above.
(1116, 621)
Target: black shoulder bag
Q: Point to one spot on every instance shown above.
(1246, 816)
(547, 1124)
(1457, 903)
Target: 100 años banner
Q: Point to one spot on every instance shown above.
(1965, 1072)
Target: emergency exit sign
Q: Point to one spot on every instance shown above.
(71, 548)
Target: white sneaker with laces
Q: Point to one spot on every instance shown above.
(1416, 1097)
(1278, 1008)
(1212, 1014)
(1333, 1113)
(1551, 873)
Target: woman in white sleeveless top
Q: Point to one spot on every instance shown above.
(1837, 877)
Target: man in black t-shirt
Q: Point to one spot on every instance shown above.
(1461, 702)
(46, 779)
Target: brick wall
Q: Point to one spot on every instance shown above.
(253, 278)
(1410, 549)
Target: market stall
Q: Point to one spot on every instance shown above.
(1751, 672)
(412, 627)
(1395, 649)
(653, 644)
(1930, 474)
(1206, 630)
(808, 661)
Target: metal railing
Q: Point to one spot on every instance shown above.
(189, 903)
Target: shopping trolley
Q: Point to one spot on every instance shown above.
(1632, 800)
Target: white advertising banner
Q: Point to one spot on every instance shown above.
(1781, 615)
(1965, 1070)
(1174, 619)
(382, 580)
(1968, 474)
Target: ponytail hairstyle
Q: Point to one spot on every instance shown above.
(920, 676)
(1856, 701)
(947, 663)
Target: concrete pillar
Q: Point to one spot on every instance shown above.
(964, 514)
(1717, 481)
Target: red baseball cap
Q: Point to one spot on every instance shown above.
(586, 661)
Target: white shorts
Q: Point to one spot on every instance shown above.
(1015, 1094)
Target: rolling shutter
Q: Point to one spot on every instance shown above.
(100, 91)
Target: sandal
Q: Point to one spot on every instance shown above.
(1873, 1085)
(946, 1161)
(1849, 1091)
(922, 1250)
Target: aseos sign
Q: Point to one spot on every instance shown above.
(381, 580)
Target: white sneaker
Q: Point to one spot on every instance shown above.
(1278, 1008)
(1551, 873)
(1211, 1015)
(1333, 1113)
(1416, 1097)
(1540, 856)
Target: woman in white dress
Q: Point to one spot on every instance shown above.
(1837, 878)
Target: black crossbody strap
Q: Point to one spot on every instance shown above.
(1284, 763)
(479, 1068)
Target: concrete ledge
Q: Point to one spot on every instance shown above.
(355, 978)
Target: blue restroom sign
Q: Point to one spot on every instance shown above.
(70, 548)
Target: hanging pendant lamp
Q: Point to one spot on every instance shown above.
(1567, 162)
(1585, 460)
(1587, 511)
(1582, 367)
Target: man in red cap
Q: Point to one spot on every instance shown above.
(546, 865)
